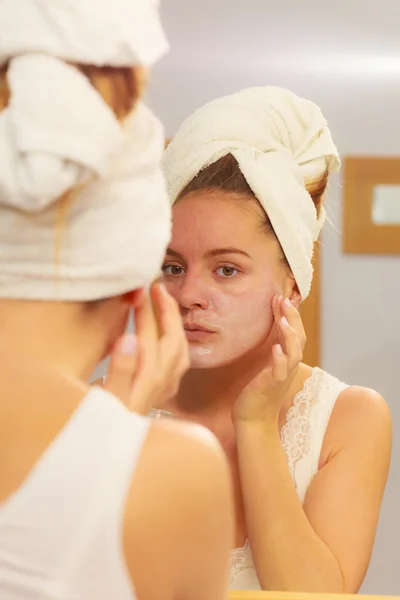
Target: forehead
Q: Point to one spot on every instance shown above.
(216, 216)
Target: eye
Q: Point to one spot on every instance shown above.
(172, 270)
(227, 271)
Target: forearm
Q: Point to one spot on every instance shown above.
(287, 552)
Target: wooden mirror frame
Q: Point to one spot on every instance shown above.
(247, 595)
(310, 311)
(360, 234)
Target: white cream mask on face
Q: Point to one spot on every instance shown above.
(243, 321)
(237, 310)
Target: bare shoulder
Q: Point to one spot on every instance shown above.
(179, 494)
(182, 443)
(360, 416)
(362, 406)
(179, 453)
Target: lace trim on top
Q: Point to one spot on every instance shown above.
(296, 432)
(240, 559)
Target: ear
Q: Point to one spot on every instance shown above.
(295, 296)
(132, 298)
(291, 291)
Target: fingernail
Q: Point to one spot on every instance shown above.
(285, 322)
(279, 349)
(288, 302)
(128, 344)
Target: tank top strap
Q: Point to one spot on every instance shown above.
(306, 423)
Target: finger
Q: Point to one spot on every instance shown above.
(145, 319)
(279, 363)
(278, 314)
(166, 310)
(152, 319)
(123, 367)
(290, 342)
(147, 334)
(276, 309)
(173, 344)
(159, 375)
(294, 318)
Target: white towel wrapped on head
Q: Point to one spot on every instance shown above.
(280, 142)
(57, 134)
(117, 33)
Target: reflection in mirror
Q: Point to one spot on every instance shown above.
(386, 205)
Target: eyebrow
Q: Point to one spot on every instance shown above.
(212, 253)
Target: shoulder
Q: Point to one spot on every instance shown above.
(181, 492)
(362, 406)
(360, 417)
(186, 458)
(187, 449)
(182, 442)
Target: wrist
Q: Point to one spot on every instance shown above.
(258, 434)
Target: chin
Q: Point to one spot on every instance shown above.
(224, 355)
(201, 358)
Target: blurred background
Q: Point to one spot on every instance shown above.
(345, 56)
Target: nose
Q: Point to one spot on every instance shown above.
(193, 293)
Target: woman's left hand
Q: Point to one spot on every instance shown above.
(262, 398)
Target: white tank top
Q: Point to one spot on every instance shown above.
(302, 437)
(61, 531)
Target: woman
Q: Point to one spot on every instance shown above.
(309, 455)
(81, 475)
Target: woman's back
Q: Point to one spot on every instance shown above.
(91, 508)
(93, 500)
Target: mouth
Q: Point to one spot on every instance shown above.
(195, 327)
(197, 332)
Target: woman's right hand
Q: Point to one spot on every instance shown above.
(147, 366)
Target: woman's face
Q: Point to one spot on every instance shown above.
(223, 269)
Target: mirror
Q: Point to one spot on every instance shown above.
(386, 205)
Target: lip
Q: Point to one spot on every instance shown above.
(194, 327)
(197, 333)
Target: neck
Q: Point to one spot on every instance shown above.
(206, 393)
(216, 390)
(56, 334)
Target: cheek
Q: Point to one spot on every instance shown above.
(244, 322)
(198, 290)
(172, 287)
(250, 316)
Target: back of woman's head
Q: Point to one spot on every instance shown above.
(268, 145)
(81, 153)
